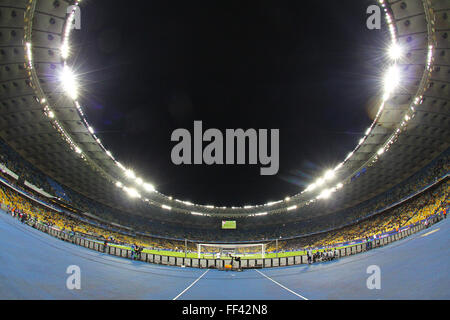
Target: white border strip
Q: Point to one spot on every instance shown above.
(181, 293)
(298, 295)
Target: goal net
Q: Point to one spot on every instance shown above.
(218, 251)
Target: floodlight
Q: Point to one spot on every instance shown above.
(65, 51)
(260, 214)
(395, 51)
(68, 81)
(329, 175)
(130, 174)
(132, 193)
(320, 181)
(349, 155)
(391, 80)
(325, 194)
(149, 187)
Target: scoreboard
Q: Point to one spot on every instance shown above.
(227, 224)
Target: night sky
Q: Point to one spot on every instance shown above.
(309, 68)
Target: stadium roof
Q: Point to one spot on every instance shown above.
(42, 123)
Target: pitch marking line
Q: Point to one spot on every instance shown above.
(428, 233)
(191, 285)
(293, 292)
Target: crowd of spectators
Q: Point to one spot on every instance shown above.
(428, 203)
(165, 235)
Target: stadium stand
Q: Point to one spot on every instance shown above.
(247, 231)
(417, 198)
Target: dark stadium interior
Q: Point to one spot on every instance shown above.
(232, 65)
(86, 118)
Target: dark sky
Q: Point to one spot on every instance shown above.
(308, 68)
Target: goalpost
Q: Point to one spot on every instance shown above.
(226, 248)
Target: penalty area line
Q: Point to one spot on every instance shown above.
(293, 292)
(181, 293)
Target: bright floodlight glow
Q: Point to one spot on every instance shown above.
(65, 51)
(130, 174)
(132, 193)
(149, 187)
(77, 150)
(395, 51)
(261, 214)
(380, 151)
(311, 187)
(139, 181)
(118, 184)
(51, 114)
(339, 185)
(391, 79)
(68, 81)
(292, 208)
(329, 175)
(325, 194)
(320, 181)
(166, 207)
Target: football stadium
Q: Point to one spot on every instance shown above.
(81, 221)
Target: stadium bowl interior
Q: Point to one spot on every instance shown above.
(56, 170)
